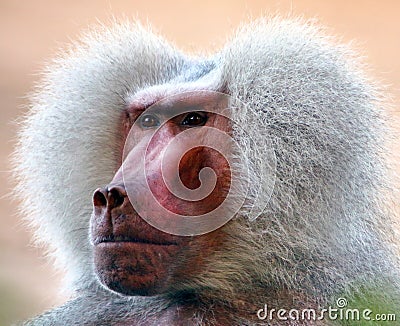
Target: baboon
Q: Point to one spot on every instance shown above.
(297, 103)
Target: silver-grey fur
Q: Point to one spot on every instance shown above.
(326, 230)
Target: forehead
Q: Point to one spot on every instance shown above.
(195, 77)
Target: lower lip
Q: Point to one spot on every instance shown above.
(132, 243)
(126, 248)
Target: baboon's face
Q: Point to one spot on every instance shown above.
(131, 256)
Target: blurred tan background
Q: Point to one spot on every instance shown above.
(30, 33)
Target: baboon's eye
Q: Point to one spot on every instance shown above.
(149, 121)
(194, 119)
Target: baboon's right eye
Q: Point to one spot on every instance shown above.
(149, 121)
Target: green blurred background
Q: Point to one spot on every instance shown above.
(30, 33)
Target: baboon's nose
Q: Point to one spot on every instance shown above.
(110, 197)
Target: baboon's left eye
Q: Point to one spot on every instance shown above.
(194, 119)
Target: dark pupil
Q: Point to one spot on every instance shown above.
(149, 121)
(194, 119)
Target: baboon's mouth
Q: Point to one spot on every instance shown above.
(132, 239)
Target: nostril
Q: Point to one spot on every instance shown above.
(99, 199)
(116, 196)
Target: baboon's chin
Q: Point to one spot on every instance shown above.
(134, 268)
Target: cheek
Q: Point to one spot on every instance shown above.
(198, 256)
(215, 185)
